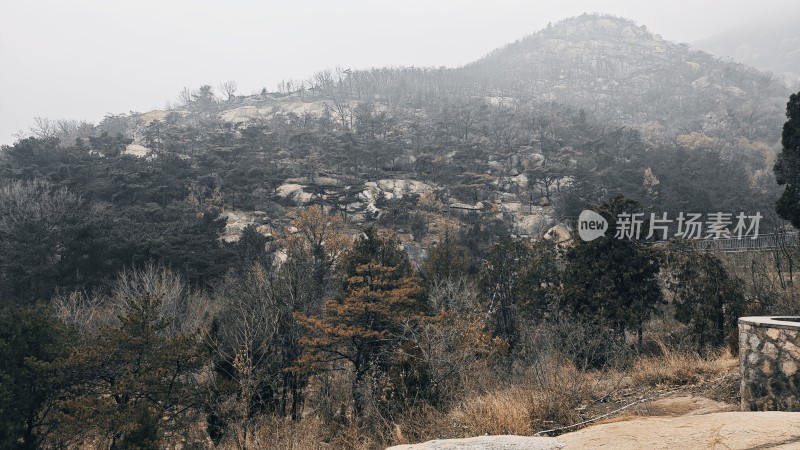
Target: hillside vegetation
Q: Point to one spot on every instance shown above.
(363, 258)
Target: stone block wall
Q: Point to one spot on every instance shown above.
(769, 363)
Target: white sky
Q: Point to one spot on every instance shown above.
(81, 59)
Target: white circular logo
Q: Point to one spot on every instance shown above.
(591, 225)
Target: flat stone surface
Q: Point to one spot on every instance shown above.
(726, 430)
(505, 442)
(772, 322)
(723, 430)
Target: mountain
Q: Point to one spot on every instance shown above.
(772, 46)
(621, 71)
(608, 66)
(515, 142)
(201, 266)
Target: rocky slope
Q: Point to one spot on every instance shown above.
(621, 70)
(491, 138)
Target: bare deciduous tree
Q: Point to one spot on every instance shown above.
(457, 294)
(228, 88)
(248, 343)
(450, 343)
(44, 128)
(185, 96)
(36, 200)
(343, 111)
(156, 283)
(81, 311)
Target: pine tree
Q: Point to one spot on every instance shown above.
(363, 327)
(502, 281)
(28, 332)
(706, 297)
(787, 168)
(613, 282)
(113, 384)
(446, 260)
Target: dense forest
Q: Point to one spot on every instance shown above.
(359, 254)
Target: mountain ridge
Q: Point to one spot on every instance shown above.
(531, 133)
(617, 68)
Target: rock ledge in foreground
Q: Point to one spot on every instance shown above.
(504, 442)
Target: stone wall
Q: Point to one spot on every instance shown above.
(769, 363)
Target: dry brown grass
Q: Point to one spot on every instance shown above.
(509, 411)
(543, 399)
(680, 368)
(558, 394)
(277, 434)
(551, 393)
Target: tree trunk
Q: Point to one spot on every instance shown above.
(358, 397)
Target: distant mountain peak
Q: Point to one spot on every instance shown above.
(620, 69)
(595, 22)
(596, 30)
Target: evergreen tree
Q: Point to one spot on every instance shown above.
(117, 381)
(363, 327)
(706, 297)
(38, 224)
(250, 249)
(446, 260)
(27, 332)
(611, 281)
(787, 168)
(502, 282)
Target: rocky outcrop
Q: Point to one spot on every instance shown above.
(136, 150)
(237, 221)
(508, 442)
(294, 192)
(245, 114)
(397, 188)
(725, 430)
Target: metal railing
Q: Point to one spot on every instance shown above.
(762, 242)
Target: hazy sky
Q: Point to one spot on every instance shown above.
(81, 59)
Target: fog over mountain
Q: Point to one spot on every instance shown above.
(771, 44)
(84, 59)
(535, 130)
